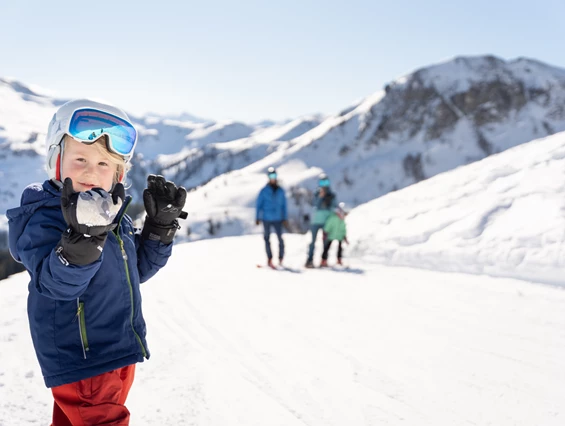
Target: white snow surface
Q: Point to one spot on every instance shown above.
(504, 216)
(372, 344)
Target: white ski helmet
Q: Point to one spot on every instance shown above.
(323, 180)
(60, 124)
(344, 208)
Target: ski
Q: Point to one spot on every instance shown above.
(278, 268)
(336, 267)
(267, 267)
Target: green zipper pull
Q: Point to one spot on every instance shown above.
(124, 254)
(78, 313)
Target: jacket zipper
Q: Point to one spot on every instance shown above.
(82, 328)
(125, 257)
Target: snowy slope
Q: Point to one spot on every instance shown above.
(236, 345)
(368, 345)
(501, 216)
(433, 120)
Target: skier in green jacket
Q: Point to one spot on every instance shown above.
(324, 202)
(335, 230)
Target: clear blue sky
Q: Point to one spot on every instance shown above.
(253, 60)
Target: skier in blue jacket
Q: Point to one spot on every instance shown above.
(271, 210)
(86, 261)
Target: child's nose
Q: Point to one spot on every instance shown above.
(90, 168)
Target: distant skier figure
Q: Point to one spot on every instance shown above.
(324, 202)
(335, 230)
(271, 210)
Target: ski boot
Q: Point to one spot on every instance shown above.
(309, 264)
(324, 263)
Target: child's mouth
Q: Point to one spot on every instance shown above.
(87, 185)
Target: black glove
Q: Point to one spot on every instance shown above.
(257, 222)
(163, 203)
(89, 216)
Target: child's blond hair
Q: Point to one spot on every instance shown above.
(118, 160)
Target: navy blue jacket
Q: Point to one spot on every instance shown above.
(84, 320)
(271, 204)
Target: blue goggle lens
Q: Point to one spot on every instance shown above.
(324, 182)
(88, 125)
(272, 175)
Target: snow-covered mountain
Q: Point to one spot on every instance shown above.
(24, 115)
(200, 162)
(183, 116)
(190, 152)
(427, 122)
(434, 120)
(501, 216)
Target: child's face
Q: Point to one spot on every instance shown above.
(87, 167)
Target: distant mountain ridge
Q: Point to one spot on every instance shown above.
(427, 122)
(432, 120)
(183, 116)
(438, 118)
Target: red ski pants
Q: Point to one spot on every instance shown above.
(94, 401)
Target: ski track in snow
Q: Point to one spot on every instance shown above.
(239, 345)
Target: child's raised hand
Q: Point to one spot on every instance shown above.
(163, 202)
(91, 212)
(90, 217)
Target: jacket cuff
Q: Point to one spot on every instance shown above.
(78, 249)
(163, 233)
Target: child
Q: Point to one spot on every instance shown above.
(86, 262)
(335, 229)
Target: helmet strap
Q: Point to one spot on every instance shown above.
(58, 167)
(59, 164)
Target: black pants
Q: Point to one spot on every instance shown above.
(327, 244)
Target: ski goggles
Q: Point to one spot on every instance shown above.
(87, 124)
(324, 183)
(272, 175)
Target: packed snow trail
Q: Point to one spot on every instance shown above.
(239, 345)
